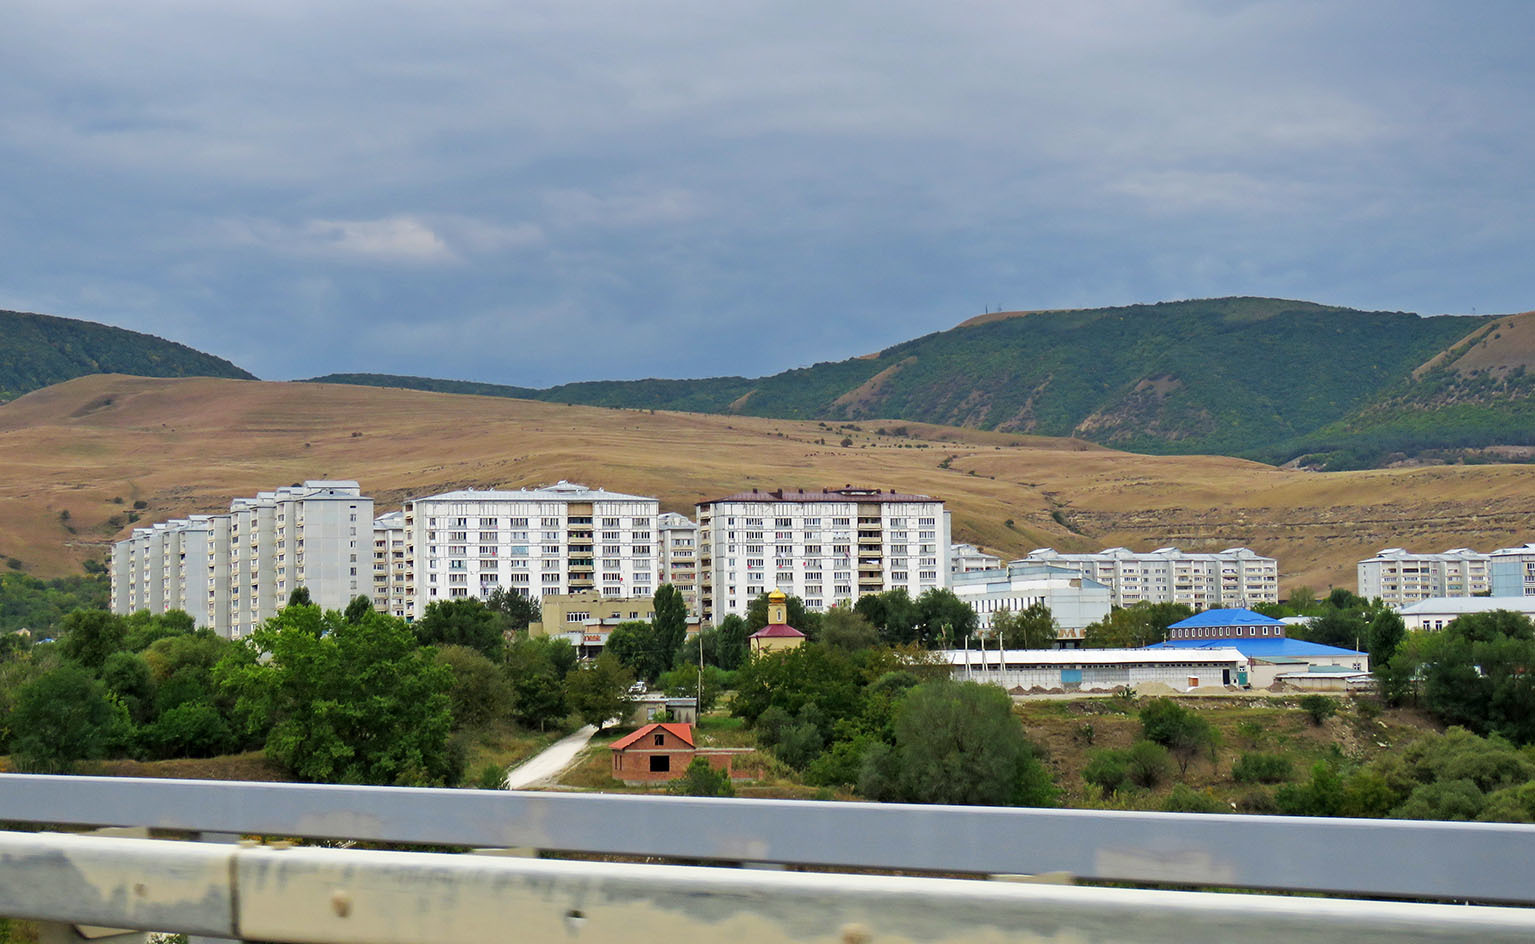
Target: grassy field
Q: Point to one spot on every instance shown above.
(97, 446)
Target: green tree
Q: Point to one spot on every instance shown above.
(344, 703)
(731, 642)
(92, 635)
(299, 597)
(943, 619)
(957, 742)
(126, 676)
(1385, 635)
(702, 780)
(61, 718)
(892, 613)
(1184, 733)
(670, 621)
(640, 649)
(359, 607)
(598, 691)
(1030, 628)
(1132, 627)
(143, 629)
(682, 682)
(537, 679)
(514, 608)
(464, 621)
(846, 628)
(480, 693)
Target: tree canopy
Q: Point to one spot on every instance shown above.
(344, 702)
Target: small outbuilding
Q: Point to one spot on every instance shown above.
(662, 751)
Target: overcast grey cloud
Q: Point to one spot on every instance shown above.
(552, 191)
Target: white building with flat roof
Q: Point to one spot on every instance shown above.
(1235, 577)
(822, 546)
(967, 558)
(1075, 601)
(1399, 577)
(1439, 612)
(232, 572)
(562, 539)
(1098, 670)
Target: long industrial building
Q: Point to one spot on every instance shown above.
(825, 546)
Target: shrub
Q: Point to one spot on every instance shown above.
(1147, 764)
(1318, 707)
(1185, 799)
(1261, 768)
(1109, 770)
(700, 779)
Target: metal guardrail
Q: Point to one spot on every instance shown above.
(363, 897)
(1387, 858)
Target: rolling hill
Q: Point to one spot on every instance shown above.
(1256, 377)
(96, 446)
(39, 350)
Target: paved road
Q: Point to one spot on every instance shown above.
(548, 764)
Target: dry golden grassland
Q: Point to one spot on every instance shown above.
(188, 446)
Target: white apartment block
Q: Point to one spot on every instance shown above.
(1512, 571)
(390, 565)
(1235, 577)
(1075, 601)
(967, 559)
(233, 572)
(181, 564)
(679, 556)
(1400, 578)
(824, 547)
(562, 539)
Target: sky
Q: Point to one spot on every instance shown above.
(549, 191)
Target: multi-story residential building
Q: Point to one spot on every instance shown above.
(826, 546)
(967, 559)
(558, 540)
(181, 564)
(1235, 577)
(1075, 601)
(679, 556)
(390, 565)
(233, 572)
(1512, 571)
(1399, 577)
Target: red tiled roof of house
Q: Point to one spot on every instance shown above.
(848, 494)
(783, 630)
(683, 731)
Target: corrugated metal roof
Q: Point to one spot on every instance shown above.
(1226, 617)
(1079, 657)
(1260, 648)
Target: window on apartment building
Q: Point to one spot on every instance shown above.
(549, 522)
(753, 522)
(841, 549)
(841, 522)
(753, 590)
(783, 550)
(843, 589)
(899, 575)
(929, 575)
(925, 522)
(517, 522)
(551, 578)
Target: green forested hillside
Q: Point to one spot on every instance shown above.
(1252, 377)
(39, 350)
